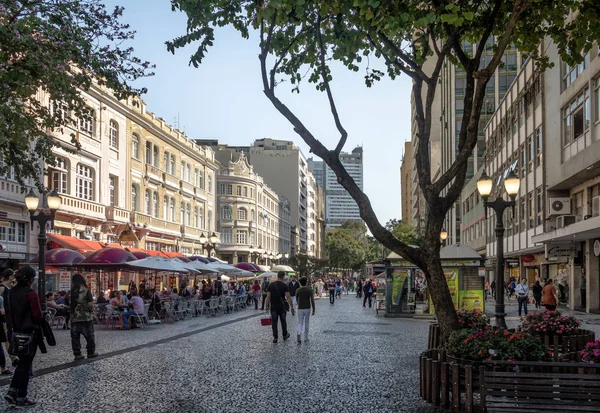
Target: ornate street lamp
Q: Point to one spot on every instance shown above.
(209, 244)
(444, 235)
(499, 205)
(52, 201)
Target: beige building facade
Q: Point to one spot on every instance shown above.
(406, 182)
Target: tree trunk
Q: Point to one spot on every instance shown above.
(440, 296)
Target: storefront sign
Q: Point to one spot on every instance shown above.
(561, 250)
(528, 258)
(64, 281)
(471, 300)
(597, 248)
(512, 262)
(452, 281)
(398, 279)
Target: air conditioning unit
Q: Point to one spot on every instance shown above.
(559, 206)
(565, 220)
(596, 206)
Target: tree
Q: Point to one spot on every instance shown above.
(307, 266)
(299, 39)
(60, 48)
(346, 248)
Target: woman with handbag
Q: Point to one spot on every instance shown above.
(24, 316)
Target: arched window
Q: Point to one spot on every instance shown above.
(135, 199)
(201, 218)
(210, 184)
(135, 146)
(149, 152)
(59, 176)
(182, 171)
(182, 213)
(196, 177)
(188, 173)
(113, 134)
(84, 182)
(148, 199)
(172, 171)
(226, 212)
(86, 122)
(188, 215)
(196, 218)
(210, 220)
(166, 208)
(155, 203)
(252, 215)
(242, 214)
(172, 210)
(166, 158)
(156, 156)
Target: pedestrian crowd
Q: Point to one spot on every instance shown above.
(542, 293)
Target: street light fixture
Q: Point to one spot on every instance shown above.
(499, 205)
(444, 235)
(32, 201)
(209, 244)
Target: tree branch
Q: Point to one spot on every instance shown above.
(489, 25)
(325, 78)
(413, 75)
(402, 55)
(285, 53)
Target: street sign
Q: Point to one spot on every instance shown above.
(567, 249)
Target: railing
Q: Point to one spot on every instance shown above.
(117, 214)
(191, 232)
(79, 206)
(162, 225)
(154, 172)
(140, 218)
(188, 188)
(171, 180)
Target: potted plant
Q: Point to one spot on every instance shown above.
(473, 319)
(550, 323)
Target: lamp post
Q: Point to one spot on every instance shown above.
(52, 203)
(286, 256)
(209, 244)
(444, 235)
(499, 205)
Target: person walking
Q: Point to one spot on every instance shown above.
(549, 296)
(306, 300)
(522, 291)
(537, 294)
(24, 316)
(359, 288)
(278, 296)
(7, 278)
(82, 305)
(368, 291)
(293, 286)
(493, 288)
(256, 293)
(331, 289)
(265, 289)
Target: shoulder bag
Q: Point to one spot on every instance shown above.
(21, 344)
(286, 305)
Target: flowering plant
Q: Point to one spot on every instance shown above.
(549, 323)
(591, 352)
(474, 319)
(493, 344)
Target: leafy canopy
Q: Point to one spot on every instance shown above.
(59, 48)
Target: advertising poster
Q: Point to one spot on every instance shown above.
(471, 300)
(64, 281)
(398, 279)
(452, 281)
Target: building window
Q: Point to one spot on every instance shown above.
(188, 215)
(229, 189)
(85, 183)
(238, 190)
(149, 152)
(155, 203)
(523, 162)
(156, 156)
(242, 214)
(166, 158)
(188, 173)
(539, 206)
(86, 122)
(196, 177)
(226, 212)
(210, 220)
(182, 213)
(577, 201)
(521, 214)
(210, 184)
(570, 73)
(113, 134)
(242, 237)
(530, 210)
(226, 236)
(196, 218)
(246, 191)
(539, 146)
(201, 179)
(172, 165)
(531, 147)
(182, 171)
(148, 202)
(252, 193)
(597, 91)
(59, 109)
(135, 197)
(222, 189)
(13, 232)
(112, 190)
(135, 146)
(201, 218)
(576, 117)
(252, 215)
(165, 208)
(59, 176)
(172, 210)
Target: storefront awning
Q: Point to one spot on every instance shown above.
(152, 253)
(75, 244)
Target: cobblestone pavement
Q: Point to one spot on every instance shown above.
(354, 361)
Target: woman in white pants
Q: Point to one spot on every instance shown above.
(305, 297)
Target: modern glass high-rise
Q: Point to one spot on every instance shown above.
(340, 206)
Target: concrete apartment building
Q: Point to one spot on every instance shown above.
(340, 206)
(248, 214)
(285, 169)
(406, 170)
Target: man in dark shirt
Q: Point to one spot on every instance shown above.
(331, 288)
(306, 300)
(277, 295)
(293, 286)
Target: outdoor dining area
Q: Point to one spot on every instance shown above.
(174, 288)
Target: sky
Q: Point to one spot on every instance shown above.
(223, 99)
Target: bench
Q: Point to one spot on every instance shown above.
(509, 391)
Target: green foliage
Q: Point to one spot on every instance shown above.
(406, 233)
(346, 246)
(492, 344)
(307, 266)
(60, 48)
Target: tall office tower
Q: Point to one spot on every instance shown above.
(318, 170)
(340, 207)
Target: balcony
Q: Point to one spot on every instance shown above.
(154, 174)
(140, 219)
(171, 181)
(187, 188)
(156, 224)
(191, 232)
(116, 214)
(78, 206)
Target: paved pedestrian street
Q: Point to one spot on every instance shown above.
(354, 361)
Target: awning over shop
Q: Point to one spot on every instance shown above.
(152, 253)
(76, 244)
